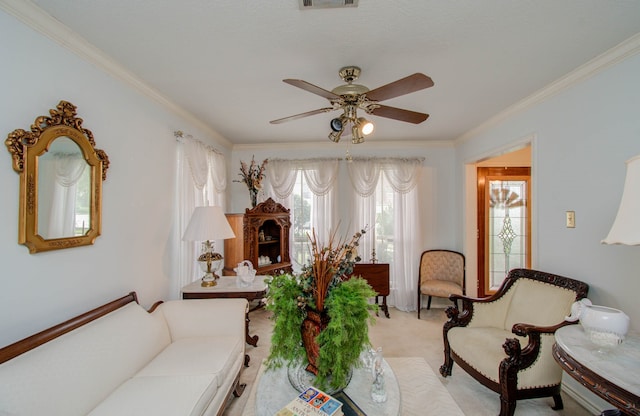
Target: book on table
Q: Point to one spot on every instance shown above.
(349, 407)
(312, 402)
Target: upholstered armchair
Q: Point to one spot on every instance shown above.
(441, 274)
(504, 341)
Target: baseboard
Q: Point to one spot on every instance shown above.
(582, 400)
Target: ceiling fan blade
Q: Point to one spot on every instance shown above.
(406, 85)
(301, 115)
(311, 88)
(400, 114)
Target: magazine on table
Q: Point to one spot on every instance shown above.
(312, 402)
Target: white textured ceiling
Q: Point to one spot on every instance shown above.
(224, 60)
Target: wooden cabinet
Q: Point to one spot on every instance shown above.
(262, 237)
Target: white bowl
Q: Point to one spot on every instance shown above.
(604, 326)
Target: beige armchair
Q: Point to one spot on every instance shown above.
(531, 305)
(441, 274)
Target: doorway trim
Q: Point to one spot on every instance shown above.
(470, 214)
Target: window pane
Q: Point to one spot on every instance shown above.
(301, 215)
(507, 228)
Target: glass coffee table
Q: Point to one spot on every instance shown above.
(274, 391)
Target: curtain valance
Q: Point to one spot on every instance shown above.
(402, 173)
(320, 174)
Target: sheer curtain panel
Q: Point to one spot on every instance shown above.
(201, 180)
(373, 179)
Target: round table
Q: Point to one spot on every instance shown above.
(274, 391)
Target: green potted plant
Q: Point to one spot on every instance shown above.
(322, 315)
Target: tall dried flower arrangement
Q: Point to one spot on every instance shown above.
(252, 175)
(330, 264)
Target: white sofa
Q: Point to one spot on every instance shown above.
(182, 358)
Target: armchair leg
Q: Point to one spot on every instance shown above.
(419, 299)
(507, 406)
(429, 303)
(557, 402)
(445, 369)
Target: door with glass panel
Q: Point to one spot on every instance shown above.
(504, 224)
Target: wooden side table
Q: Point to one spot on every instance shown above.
(377, 275)
(228, 288)
(612, 374)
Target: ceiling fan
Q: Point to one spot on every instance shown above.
(350, 97)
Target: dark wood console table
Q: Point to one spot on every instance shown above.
(612, 375)
(377, 275)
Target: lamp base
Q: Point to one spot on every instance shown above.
(210, 279)
(210, 263)
(208, 283)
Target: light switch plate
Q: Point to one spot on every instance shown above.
(571, 219)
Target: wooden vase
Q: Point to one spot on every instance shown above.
(312, 325)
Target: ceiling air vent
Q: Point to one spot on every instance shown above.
(325, 4)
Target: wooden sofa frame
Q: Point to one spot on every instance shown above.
(518, 357)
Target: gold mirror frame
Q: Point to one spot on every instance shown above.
(27, 146)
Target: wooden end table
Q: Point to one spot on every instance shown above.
(377, 275)
(228, 288)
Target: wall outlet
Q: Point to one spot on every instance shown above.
(571, 219)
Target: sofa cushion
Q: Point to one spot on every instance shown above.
(160, 395)
(213, 317)
(440, 288)
(72, 373)
(194, 356)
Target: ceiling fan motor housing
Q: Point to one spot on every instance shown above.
(349, 73)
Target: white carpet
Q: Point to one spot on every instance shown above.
(421, 392)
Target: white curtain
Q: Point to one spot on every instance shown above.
(321, 177)
(201, 180)
(68, 169)
(403, 176)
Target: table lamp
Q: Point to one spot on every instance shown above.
(625, 230)
(208, 224)
(626, 227)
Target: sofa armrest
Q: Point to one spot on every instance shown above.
(204, 317)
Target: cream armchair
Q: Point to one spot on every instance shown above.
(441, 273)
(504, 341)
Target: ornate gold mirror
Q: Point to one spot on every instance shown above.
(61, 174)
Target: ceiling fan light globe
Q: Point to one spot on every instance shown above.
(336, 125)
(365, 126)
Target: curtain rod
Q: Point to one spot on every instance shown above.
(180, 136)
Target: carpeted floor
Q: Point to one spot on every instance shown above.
(405, 336)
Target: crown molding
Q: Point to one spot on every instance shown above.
(40, 21)
(368, 144)
(598, 64)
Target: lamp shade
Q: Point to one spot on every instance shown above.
(626, 227)
(208, 223)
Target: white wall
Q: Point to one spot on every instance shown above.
(134, 251)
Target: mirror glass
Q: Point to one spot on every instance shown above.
(64, 186)
(61, 174)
